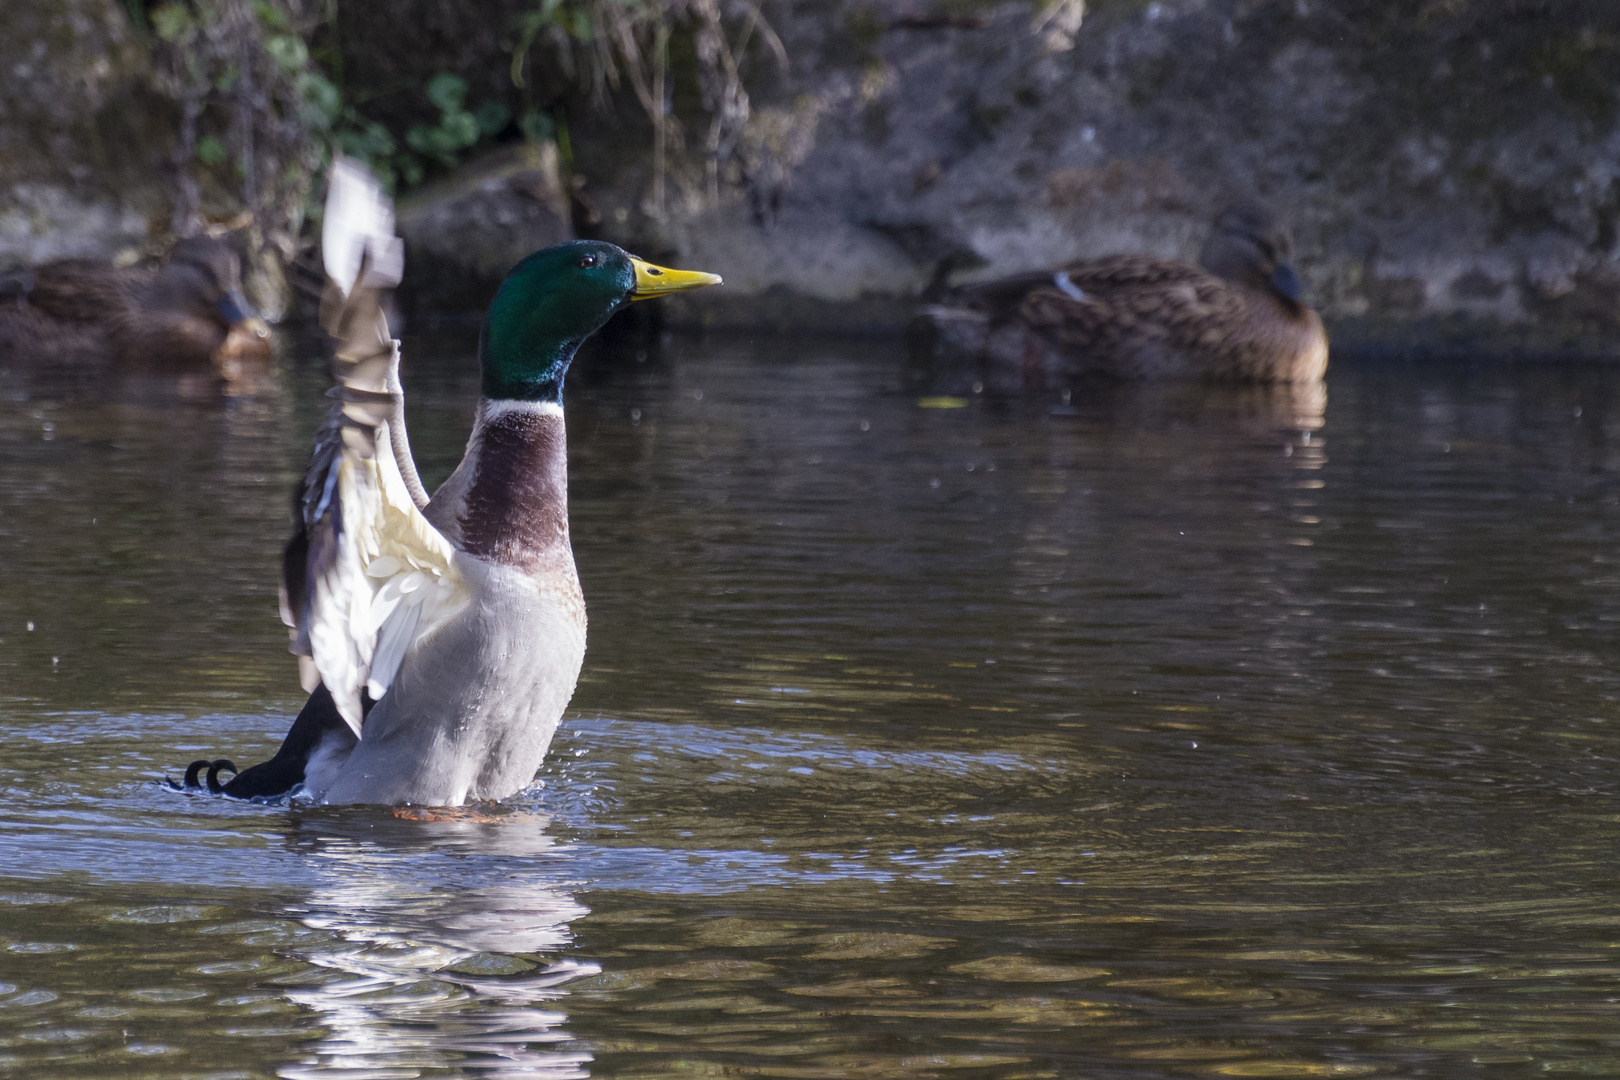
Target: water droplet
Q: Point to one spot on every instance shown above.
(30, 626)
(635, 416)
(697, 395)
(866, 425)
(933, 483)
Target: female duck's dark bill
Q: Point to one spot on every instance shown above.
(654, 281)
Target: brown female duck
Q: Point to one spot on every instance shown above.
(1240, 318)
(187, 314)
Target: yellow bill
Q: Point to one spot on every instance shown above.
(654, 281)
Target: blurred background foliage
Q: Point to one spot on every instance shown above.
(266, 89)
(1435, 158)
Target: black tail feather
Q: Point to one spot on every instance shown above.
(213, 774)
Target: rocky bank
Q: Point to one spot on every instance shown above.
(84, 141)
(1450, 174)
(1449, 167)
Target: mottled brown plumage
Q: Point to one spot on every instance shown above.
(179, 316)
(1238, 317)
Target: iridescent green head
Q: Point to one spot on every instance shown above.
(552, 301)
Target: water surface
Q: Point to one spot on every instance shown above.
(1163, 733)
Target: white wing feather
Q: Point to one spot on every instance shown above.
(374, 577)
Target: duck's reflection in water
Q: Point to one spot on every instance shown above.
(1238, 409)
(447, 935)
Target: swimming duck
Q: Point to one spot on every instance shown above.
(440, 637)
(1239, 316)
(188, 313)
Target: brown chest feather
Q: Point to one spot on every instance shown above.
(516, 510)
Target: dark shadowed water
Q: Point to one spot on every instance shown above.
(1163, 734)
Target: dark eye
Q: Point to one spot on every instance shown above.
(587, 261)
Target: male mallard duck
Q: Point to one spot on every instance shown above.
(181, 315)
(440, 637)
(1241, 318)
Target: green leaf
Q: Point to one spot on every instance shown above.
(210, 151)
(447, 92)
(270, 15)
(417, 137)
(287, 51)
(323, 98)
(460, 129)
(492, 116)
(367, 140)
(432, 142)
(536, 126)
(173, 22)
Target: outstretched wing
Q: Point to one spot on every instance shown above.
(364, 574)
